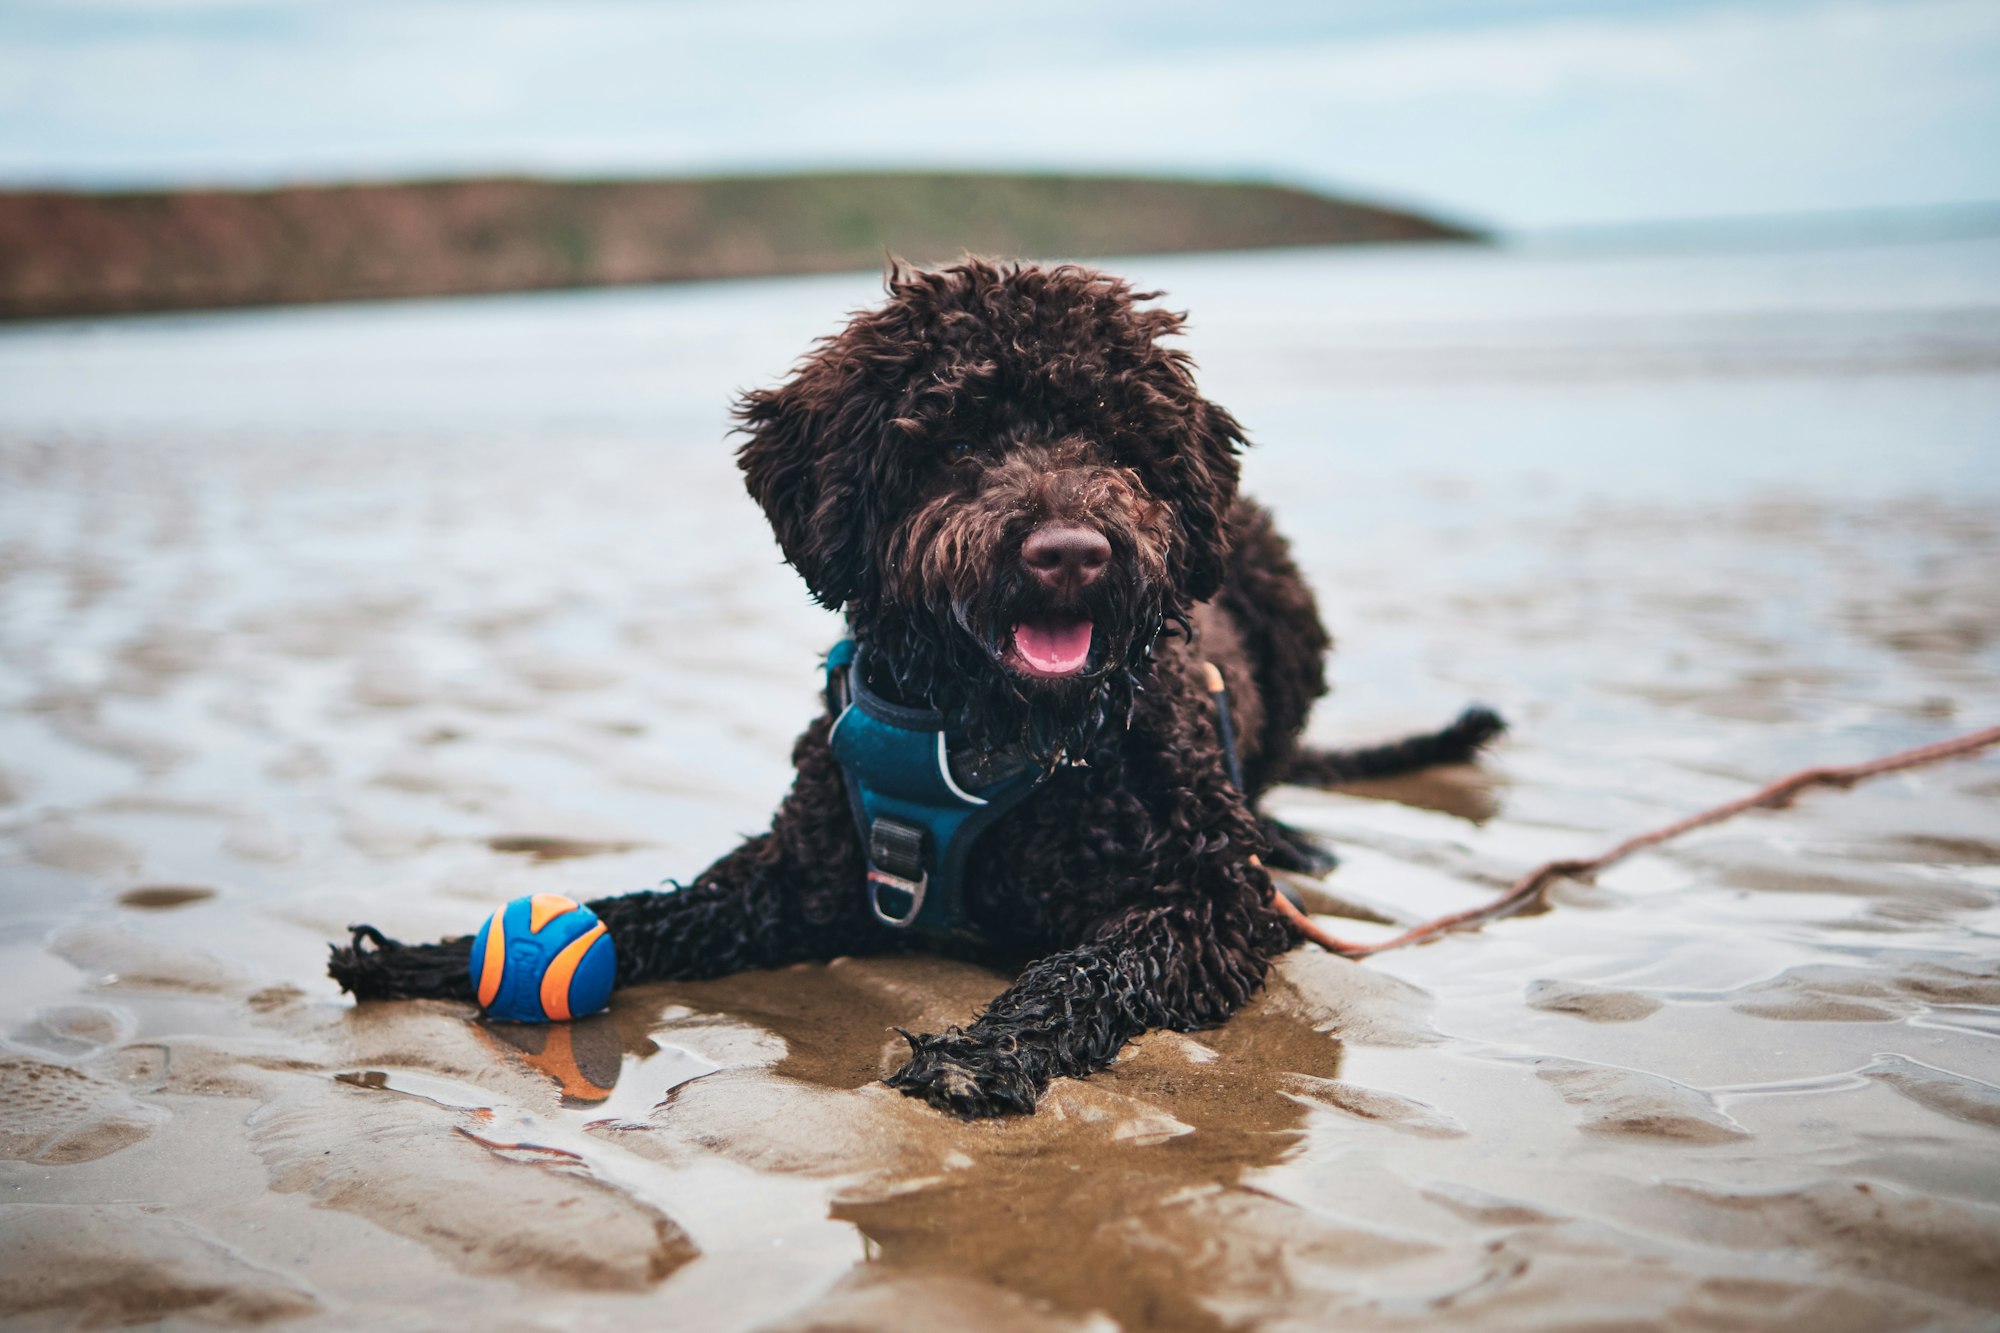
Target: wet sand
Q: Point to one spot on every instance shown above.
(391, 614)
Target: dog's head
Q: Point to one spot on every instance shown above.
(1009, 484)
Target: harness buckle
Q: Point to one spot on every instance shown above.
(896, 863)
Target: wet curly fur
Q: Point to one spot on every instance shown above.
(902, 467)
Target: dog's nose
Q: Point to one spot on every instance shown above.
(1066, 556)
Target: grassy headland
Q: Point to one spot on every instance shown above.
(66, 253)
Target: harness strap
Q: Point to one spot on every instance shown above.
(918, 821)
(1283, 897)
(1225, 723)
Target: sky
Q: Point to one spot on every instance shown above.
(1522, 114)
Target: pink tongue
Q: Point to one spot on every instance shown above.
(1053, 649)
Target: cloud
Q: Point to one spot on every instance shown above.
(1529, 113)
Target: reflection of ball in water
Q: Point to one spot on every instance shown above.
(584, 1057)
(542, 958)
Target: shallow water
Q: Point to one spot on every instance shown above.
(390, 613)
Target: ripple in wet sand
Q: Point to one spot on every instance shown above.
(121, 958)
(55, 1114)
(402, 1164)
(1939, 1090)
(1835, 993)
(163, 897)
(109, 1266)
(1629, 1103)
(1598, 1004)
(1384, 1108)
(542, 848)
(1871, 1230)
(82, 851)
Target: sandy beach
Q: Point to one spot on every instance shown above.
(393, 613)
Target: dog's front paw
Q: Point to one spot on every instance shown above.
(956, 1074)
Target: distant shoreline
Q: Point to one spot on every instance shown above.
(67, 253)
(1914, 224)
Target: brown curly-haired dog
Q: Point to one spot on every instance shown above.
(1030, 514)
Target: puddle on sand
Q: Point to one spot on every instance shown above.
(605, 1068)
(603, 1064)
(438, 1092)
(1140, 1170)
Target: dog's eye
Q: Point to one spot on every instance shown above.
(958, 450)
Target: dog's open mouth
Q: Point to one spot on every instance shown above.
(1051, 649)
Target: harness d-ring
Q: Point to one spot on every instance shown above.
(879, 880)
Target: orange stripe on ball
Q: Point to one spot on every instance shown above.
(546, 907)
(555, 981)
(495, 962)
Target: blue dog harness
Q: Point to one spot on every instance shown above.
(918, 820)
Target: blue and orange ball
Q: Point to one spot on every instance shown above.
(541, 959)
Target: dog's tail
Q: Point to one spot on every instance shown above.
(1455, 744)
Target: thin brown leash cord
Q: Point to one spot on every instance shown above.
(1530, 886)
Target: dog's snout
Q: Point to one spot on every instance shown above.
(1066, 556)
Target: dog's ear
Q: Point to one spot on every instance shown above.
(1210, 468)
(799, 463)
(1193, 446)
(823, 454)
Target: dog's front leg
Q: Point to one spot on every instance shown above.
(1186, 933)
(1188, 964)
(788, 895)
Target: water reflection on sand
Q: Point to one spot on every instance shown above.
(390, 613)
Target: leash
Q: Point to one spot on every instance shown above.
(1531, 887)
